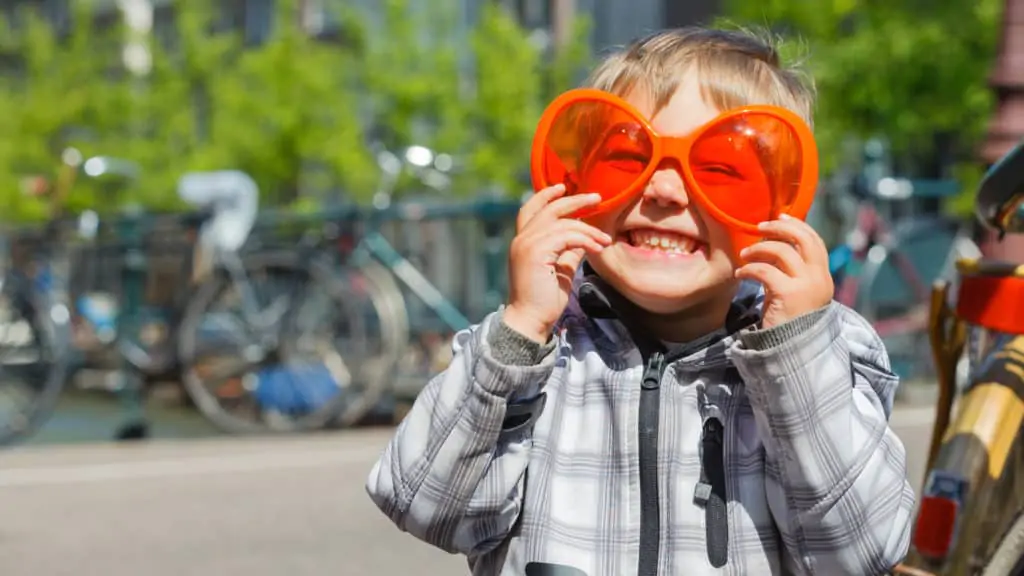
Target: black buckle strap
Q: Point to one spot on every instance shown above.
(523, 413)
(710, 492)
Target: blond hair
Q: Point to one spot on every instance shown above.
(735, 68)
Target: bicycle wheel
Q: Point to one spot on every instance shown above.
(376, 281)
(34, 358)
(1008, 559)
(269, 384)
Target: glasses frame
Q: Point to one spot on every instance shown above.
(678, 148)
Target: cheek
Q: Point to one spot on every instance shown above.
(717, 234)
(722, 243)
(607, 266)
(607, 222)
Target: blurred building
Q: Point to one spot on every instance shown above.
(615, 22)
(1007, 80)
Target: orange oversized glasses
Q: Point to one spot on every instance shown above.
(746, 166)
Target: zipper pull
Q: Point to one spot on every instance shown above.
(713, 431)
(654, 371)
(710, 492)
(702, 492)
(710, 444)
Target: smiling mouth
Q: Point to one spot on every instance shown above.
(662, 241)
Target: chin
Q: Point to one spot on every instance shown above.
(664, 303)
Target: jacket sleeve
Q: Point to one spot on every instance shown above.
(822, 392)
(452, 475)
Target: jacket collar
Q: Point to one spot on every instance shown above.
(598, 300)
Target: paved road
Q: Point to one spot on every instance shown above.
(217, 507)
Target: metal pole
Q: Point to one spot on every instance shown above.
(137, 58)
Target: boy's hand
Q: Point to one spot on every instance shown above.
(543, 259)
(792, 265)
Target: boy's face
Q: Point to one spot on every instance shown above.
(666, 255)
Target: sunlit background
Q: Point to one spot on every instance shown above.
(365, 160)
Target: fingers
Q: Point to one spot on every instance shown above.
(550, 204)
(569, 262)
(791, 260)
(561, 235)
(798, 233)
(773, 279)
(573, 239)
(782, 255)
(546, 244)
(536, 203)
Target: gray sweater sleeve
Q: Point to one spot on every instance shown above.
(512, 348)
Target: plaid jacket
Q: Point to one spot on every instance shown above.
(544, 463)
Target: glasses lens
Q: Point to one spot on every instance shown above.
(748, 166)
(596, 147)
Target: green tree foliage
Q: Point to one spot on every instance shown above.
(477, 93)
(57, 93)
(296, 113)
(912, 70)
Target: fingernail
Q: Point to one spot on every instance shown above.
(785, 217)
(744, 251)
(594, 197)
(560, 187)
(764, 225)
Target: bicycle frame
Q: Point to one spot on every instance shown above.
(372, 244)
(491, 213)
(973, 490)
(877, 236)
(869, 225)
(972, 506)
(376, 244)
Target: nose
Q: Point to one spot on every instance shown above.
(666, 189)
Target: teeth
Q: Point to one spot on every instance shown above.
(667, 242)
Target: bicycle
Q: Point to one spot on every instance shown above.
(875, 274)
(345, 256)
(33, 289)
(35, 339)
(116, 329)
(971, 514)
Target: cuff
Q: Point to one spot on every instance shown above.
(754, 339)
(493, 371)
(512, 348)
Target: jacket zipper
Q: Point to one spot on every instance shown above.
(648, 422)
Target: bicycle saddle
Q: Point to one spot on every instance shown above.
(1000, 201)
(233, 199)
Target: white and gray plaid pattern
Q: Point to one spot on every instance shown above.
(816, 479)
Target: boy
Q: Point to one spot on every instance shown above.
(669, 409)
